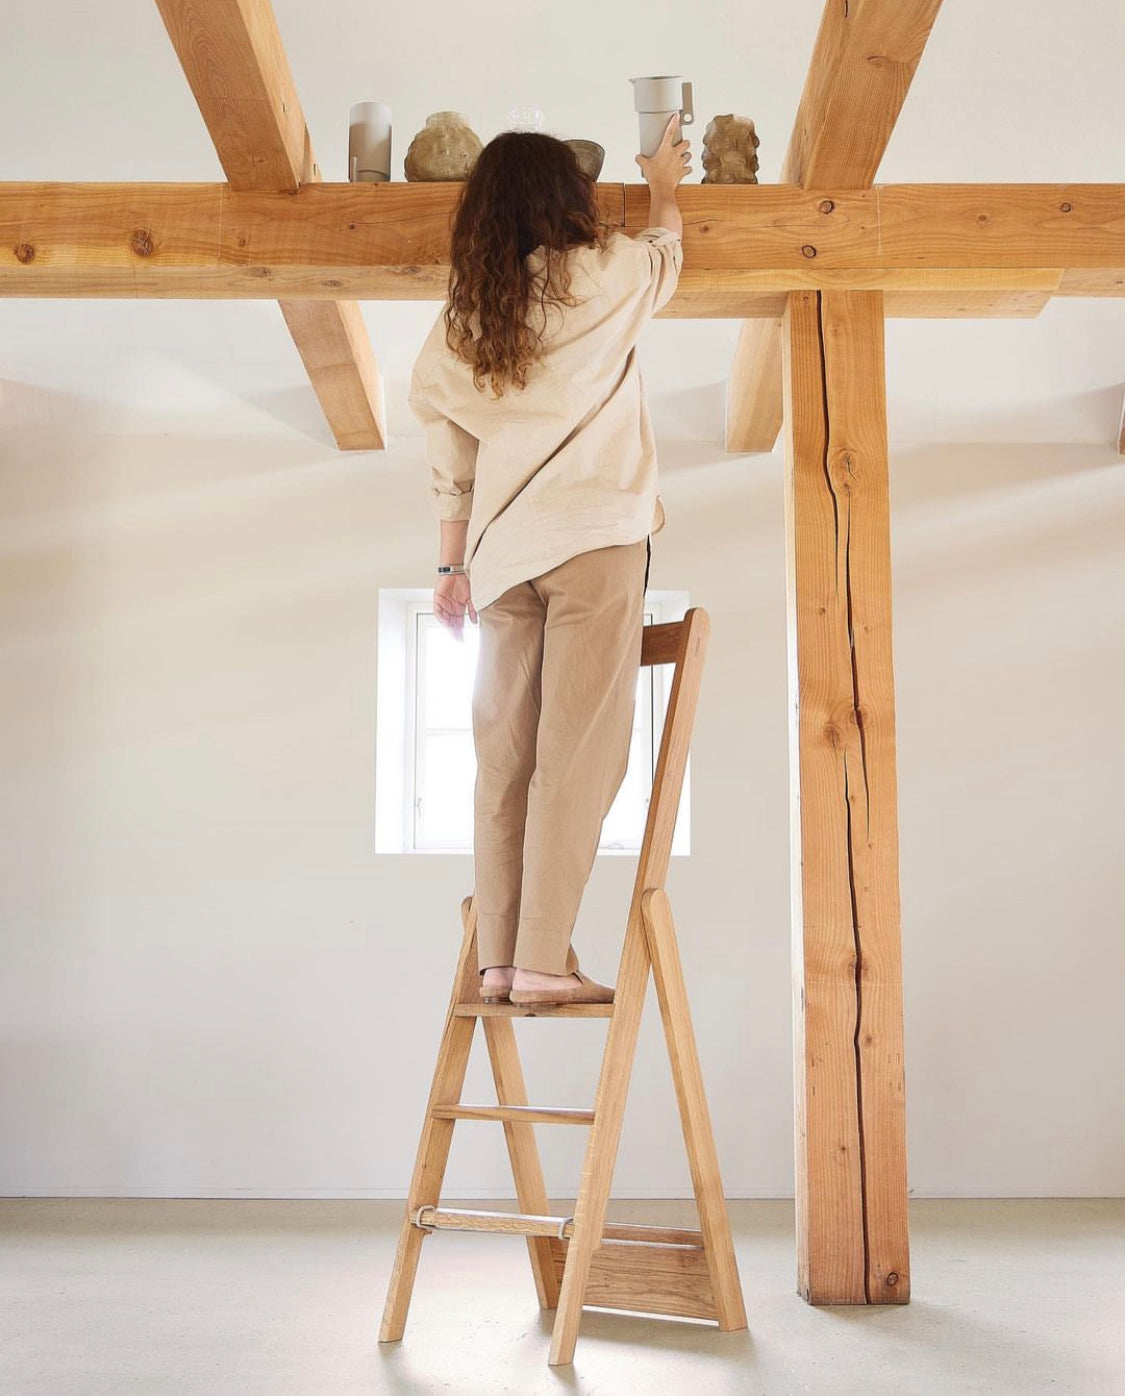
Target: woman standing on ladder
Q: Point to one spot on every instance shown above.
(544, 479)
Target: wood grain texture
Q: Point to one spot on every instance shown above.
(335, 349)
(235, 64)
(437, 1134)
(234, 61)
(549, 1227)
(631, 985)
(584, 1259)
(862, 64)
(393, 240)
(651, 1279)
(695, 1117)
(512, 1010)
(753, 410)
(523, 1155)
(850, 1131)
(521, 1114)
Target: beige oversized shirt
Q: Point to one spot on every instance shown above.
(568, 463)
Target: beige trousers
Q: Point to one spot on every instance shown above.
(553, 708)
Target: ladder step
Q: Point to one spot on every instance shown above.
(523, 1224)
(515, 1010)
(524, 1114)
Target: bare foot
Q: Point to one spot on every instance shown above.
(530, 987)
(497, 981)
(534, 979)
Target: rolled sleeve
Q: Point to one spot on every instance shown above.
(663, 251)
(452, 455)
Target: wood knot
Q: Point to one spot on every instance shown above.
(892, 1278)
(982, 217)
(808, 251)
(826, 205)
(833, 736)
(142, 243)
(25, 253)
(1065, 207)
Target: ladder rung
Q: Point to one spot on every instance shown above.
(523, 1224)
(512, 1223)
(525, 1114)
(515, 1010)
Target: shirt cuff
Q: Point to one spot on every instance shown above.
(658, 233)
(451, 506)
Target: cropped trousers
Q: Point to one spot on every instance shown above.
(553, 708)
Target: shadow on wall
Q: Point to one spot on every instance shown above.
(936, 471)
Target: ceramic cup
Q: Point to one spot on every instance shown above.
(655, 100)
(369, 142)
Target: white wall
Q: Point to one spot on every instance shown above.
(210, 983)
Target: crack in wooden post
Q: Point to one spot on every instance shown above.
(843, 549)
(850, 1138)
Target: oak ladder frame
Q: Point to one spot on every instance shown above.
(584, 1259)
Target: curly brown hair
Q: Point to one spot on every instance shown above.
(525, 192)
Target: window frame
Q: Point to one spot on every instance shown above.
(400, 682)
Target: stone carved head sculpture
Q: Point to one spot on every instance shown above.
(729, 151)
(445, 148)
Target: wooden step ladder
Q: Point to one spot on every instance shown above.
(584, 1259)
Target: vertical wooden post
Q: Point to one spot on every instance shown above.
(850, 1123)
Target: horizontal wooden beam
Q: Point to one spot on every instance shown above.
(391, 241)
(783, 226)
(915, 293)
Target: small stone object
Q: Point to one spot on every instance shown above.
(729, 151)
(445, 148)
(591, 156)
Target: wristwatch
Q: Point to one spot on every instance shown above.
(449, 569)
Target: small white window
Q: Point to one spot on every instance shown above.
(425, 758)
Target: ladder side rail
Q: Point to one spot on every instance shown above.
(523, 1153)
(437, 1135)
(675, 744)
(632, 983)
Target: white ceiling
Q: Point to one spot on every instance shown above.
(1026, 91)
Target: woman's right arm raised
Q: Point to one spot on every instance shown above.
(663, 170)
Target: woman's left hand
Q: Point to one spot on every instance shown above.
(452, 598)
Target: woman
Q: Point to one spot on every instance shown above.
(543, 477)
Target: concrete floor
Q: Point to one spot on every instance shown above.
(285, 1297)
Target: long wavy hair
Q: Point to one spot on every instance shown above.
(525, 192)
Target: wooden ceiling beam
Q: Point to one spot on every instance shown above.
(863, 62)
(862, 65)
(391, 241)
(234, 61)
